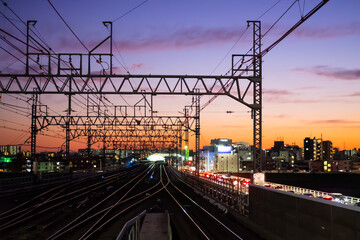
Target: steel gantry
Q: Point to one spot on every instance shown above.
(69, 79)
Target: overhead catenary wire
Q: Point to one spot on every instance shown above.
(20, 137)
(41, 38)
(14, 112)
(241, 35)
(81, 42)
(41, 41)
(12, 122)
(13, 106)
(29, 58)
(68, 25)
(268, 10)
(17, 16)
(269, 48)
(272, 26)
(131, 10)
(16, 57)
(232, 47)
(84, 44)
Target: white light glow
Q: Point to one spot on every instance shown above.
(224, 149)
(156, 157)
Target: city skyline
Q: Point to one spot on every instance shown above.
(310, 80)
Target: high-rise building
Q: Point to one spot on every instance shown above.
(319, 150)
(221, 142)
(10, 149)
(207, 158)
(312, 149)
(227, 163)
(309, 149)
(327, 151)
(223, 147)
(278, 146)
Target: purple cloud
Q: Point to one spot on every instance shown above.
(333, 72)
(276, 92)
(328, 32)
(180, 39)
(162, 40)
(133, 67)
(275, 95)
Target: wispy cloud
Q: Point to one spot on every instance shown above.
(356, 94)
(133, 67)
(281, 116)
(164, 40)
(333, 72)
(187, 38)
(180, 39)
(343, 30)
(276, 92)
(233, 126)
(277, 95)
(334, 122)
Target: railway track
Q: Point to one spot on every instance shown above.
(209, 225)
(102, 217)
(91, 222)
(54, 198)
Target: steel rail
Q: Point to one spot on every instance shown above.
(116, 215)
(59, 232)
(204, 210)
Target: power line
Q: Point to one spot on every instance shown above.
(131, 10)
(223, 59)
(22, 135)
(13, 106)
(272, 26)
(41, 39)
(14, 112)
(68, 26)
(17, 60)
(13, 122)
(2, 30)
(268, 10)
(262, 53)
(14, 129)
(26, 145)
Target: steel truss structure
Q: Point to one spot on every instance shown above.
(247, 70)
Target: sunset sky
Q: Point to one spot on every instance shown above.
(311, 80)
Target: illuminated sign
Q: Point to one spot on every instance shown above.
(224, 149)
(186, 153)
(5, 159)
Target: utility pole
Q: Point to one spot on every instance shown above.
(67, 125)
(33, 128)
(186, 140)
(256, 111)
(197, 131)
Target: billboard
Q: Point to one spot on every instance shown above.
(223, 149)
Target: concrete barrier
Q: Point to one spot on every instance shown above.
(296, 217)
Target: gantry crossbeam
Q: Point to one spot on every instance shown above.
(129, 84)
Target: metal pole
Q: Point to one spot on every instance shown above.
(186, 134)
(257, 98)
(197, 132)
(33, 128)
(67, 150)
(27, 43)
